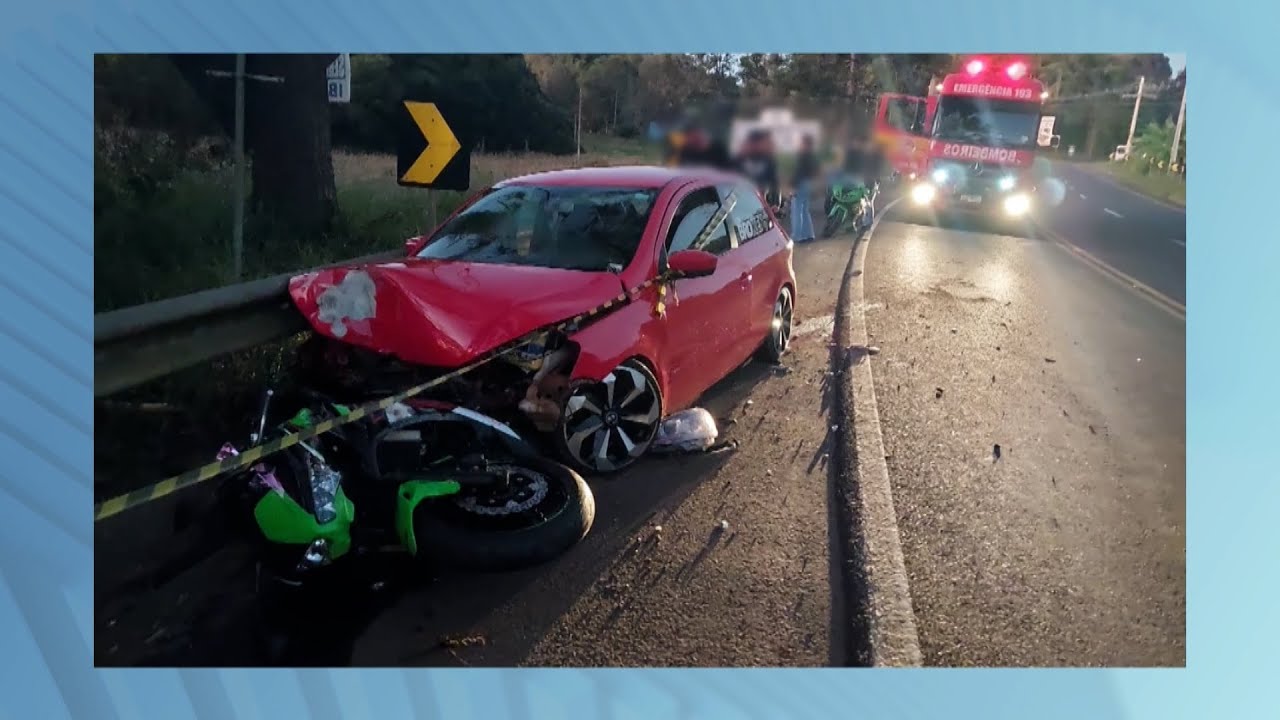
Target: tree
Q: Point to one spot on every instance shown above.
(609, 95)
(1101, 120)
(1152, 145)
(287, 132)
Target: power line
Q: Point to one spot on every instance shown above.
(1127, 92)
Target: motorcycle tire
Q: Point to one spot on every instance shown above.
(830, 227)
(451, 536)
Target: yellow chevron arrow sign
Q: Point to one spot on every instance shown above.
(442, 144)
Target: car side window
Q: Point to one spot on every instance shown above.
(749, 217)
(691, 218)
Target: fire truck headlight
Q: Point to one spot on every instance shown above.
(923, 193)
(939, 176)
(1007, 182)
(1017, 205)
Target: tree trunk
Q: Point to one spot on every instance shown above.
(287, 132)
(292, 180)
(1091, 138)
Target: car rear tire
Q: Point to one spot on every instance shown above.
(606, 426)
(780, 327)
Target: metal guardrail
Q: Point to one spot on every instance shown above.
(136, 344)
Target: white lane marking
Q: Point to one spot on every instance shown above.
(1183, 243)
(1109, 211)
(1082, 197)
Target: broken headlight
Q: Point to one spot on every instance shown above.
(324, 491)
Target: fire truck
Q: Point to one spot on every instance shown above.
(971, 143)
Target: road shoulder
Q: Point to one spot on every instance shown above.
(875, 569)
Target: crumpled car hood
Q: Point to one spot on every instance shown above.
(443, 313)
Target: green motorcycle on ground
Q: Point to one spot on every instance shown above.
(433, 484)
(849, 204)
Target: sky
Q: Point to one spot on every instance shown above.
(1177, 61)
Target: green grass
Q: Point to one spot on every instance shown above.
(1155, 183)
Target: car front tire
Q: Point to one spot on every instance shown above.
(606, 426)
(780, 327)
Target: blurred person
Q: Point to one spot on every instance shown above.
(700, 149)
(757, 162)
(806, 173)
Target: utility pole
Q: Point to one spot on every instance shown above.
(578, 124)
(237, 202)
(237, 228)
(1133, 124)
(1177, 131)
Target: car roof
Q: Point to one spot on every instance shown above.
(633, 176)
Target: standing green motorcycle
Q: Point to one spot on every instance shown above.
(848, 205)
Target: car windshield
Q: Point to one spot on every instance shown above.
(572, 228)
(994, 123)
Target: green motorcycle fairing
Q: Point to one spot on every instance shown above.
(282, 520)
(409, 496)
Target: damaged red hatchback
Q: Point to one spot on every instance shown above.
(536, 250)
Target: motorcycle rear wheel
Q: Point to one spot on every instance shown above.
(550, 509)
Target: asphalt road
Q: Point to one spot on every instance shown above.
(1140, 237)
(1033, 413)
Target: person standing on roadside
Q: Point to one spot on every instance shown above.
(757, 162)
(806, 173)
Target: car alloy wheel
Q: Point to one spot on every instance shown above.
(780, 327)
(607, 425)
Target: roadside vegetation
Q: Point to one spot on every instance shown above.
(1147, 169)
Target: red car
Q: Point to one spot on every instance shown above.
(540, 249)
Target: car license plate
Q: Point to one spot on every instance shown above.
(973, 199)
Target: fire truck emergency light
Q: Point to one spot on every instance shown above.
(975, 66)
(1016, 70)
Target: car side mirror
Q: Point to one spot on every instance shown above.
(413, 245)
(692, 263)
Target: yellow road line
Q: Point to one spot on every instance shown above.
(1164, 302)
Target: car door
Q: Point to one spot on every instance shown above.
(758, 248)
(706, 316)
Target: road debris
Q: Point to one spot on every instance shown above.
(1050, 360)
(724, 524)
(457, 642)
(691, 430)
(937, 393)
(996, 451)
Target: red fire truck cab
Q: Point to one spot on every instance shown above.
(970, 145)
